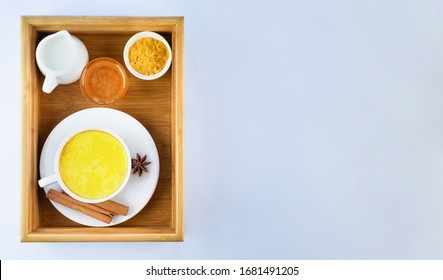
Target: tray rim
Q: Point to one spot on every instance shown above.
(29, 228)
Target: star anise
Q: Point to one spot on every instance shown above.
(139, 164)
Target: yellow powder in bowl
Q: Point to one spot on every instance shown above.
(148, 56)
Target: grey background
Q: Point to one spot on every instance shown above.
(313, 130)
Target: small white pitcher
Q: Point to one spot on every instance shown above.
(61, 57)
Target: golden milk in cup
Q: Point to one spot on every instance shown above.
(92, 166)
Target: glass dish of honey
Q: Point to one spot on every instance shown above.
(104, 81)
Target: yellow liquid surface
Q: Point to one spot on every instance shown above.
(93, 164)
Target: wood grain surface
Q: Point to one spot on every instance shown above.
(157, 104)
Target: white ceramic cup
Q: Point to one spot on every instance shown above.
(61, 57)
(56, 178)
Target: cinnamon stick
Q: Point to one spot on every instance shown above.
(114, 207)
(86, 208)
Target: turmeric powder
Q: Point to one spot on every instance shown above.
(148, 56)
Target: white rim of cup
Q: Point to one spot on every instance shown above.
(132, 40)
(75, 196)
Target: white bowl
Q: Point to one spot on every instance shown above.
(132, 40)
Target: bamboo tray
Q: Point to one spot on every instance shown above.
(157, 104)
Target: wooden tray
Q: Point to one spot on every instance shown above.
(157, 104)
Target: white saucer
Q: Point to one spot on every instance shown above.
(138, 190)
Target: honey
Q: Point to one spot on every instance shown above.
(104, 81)
(93, 164)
